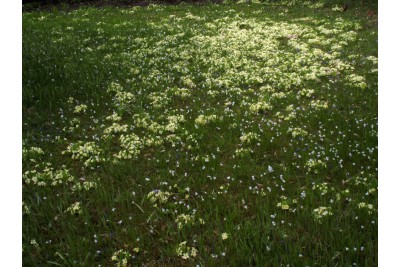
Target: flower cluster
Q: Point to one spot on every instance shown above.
(315, 165)
(48, 176)
(260, 107)
(121, 258)
(158, 196)
(131, 145)
(248, 138)
(322, 212)
(90, 152)
(204, 120)
(74, 208)
(80, 108)
(185, 252)
(184, 219)
(297, 132)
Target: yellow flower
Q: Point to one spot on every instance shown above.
(224, 236)
(285, 206)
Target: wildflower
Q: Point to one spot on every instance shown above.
(185, 252)
(250, 137)
(260, 107)
(75, 208)
(158, 196)
(321, 212)
(34, 243)
(121, 258)
(224, 236)
(80, 109)
(25, 208)
(184, 219)
(203, 120)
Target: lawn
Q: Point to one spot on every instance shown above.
(200, 135)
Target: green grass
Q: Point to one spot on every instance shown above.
(145, 128)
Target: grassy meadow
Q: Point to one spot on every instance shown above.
(200, 135)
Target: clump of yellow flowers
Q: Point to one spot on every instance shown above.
(185, 252)
(121, 258)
